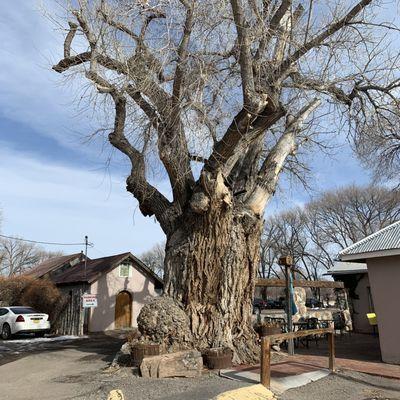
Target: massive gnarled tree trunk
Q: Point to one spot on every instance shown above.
(211, 262)
(219, 96)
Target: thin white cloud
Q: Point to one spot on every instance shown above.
(30, 92)
(52, 202)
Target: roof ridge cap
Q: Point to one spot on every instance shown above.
(371, 236)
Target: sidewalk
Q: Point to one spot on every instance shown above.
(284, 375)
(359, 353)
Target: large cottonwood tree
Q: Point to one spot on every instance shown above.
(222, 94)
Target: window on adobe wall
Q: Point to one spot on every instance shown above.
(125, 270)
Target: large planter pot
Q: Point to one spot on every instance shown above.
(140, 351)
(266, 330)
(218, 358)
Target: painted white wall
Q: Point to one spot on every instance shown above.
(362, 306)
(384, 276)
(108, 286)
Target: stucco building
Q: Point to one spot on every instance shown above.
(381, 253)
(356, 281)
(122, 283)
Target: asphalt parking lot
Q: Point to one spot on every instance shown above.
(52, 368)
(104, 346)
(24, 345)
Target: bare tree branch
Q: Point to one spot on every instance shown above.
(182, 53)
(274, 162)
(246, 64)
(69, 38)
(151, 201)
(319, 39)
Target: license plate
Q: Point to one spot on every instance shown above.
(36, 321)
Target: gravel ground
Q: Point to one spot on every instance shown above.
(347, 385)
(134, 388)
(342, 386)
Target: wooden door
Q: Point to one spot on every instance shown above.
(123, 310)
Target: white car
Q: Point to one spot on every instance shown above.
(19, 319)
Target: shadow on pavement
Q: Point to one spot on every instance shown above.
(94, 347)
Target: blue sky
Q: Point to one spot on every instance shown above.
(53, 187)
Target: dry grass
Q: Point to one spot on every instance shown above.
(40, 294)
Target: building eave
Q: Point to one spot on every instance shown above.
(361, 257)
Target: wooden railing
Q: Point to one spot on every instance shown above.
(265, 373)
(300, 283)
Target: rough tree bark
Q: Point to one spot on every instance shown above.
(211, 263)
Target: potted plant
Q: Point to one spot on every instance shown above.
(218, 358)
(269, 328)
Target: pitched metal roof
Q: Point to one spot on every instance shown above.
(345, 268)
(51, 264)
(95, 268)
(381, 243)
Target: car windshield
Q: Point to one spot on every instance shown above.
(23, 310)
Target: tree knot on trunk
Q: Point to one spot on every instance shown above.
(199, 203)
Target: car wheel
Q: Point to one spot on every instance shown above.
(6, 332)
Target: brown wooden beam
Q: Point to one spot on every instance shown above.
(300, 283)
(331, 341)
(265, 369)
(298, 334)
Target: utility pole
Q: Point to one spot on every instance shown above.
(84, 309)
(86, 246)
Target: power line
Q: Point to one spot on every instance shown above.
(50, 243)
(97, 249)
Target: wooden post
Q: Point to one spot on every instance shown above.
(289, 309)
(265, 370)
(331, 339)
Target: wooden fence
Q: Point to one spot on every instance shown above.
(70, 320)
(265, 373)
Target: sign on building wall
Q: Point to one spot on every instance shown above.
(89, 300)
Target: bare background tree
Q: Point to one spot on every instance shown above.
(154, 258)
(220, 97)
(17, 257)
(316, 233)
(379, 149)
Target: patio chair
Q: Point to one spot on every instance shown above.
(372, 321)
(309, 323)
(339, 323)
(313, 323)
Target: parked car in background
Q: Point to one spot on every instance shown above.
(313, 303)
(17, 319)
(259, 305)
(280, 304)
(270, 303)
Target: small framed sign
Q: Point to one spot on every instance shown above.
(89, 300)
